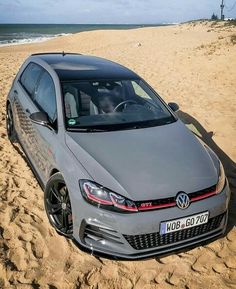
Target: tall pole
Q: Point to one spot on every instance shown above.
(222, 10)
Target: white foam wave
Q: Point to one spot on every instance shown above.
(30, 40)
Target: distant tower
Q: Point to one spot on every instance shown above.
(222, 17)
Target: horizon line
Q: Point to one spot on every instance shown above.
(19, 23)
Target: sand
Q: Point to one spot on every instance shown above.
(191, 64)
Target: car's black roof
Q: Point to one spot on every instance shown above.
(71, 66)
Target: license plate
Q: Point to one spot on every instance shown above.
(183, 223)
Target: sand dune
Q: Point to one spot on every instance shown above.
(192, 64)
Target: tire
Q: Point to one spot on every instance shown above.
(58, 206)
(11, 132)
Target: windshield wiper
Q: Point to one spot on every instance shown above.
(146, 124)
(87, 129)
(122, 126)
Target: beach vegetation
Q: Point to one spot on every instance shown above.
(214, 17)
(233, 39)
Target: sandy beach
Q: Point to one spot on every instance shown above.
(192, 64)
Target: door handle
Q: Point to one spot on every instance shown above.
(15, 91)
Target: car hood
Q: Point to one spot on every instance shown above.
(148, 163)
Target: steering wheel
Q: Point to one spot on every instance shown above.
(123, 103)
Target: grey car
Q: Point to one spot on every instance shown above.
(121, 174)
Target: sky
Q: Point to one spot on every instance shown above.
(110, 11)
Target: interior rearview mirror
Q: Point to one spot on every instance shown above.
(174, 106)
(41, 118)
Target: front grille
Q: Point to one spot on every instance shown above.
(171, 202)
(159, 202)
(152, 240)
(202, 192)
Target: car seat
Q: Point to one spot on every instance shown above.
(87, 103)
(71, 101)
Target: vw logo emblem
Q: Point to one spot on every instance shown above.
(182, 200)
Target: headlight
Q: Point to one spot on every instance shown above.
(99, 196)
(221, 181)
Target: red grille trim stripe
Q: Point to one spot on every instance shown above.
(173, 204)
(203, 196)
(157, 206)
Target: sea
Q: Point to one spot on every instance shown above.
(14, 34)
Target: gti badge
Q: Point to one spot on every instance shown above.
(182, 200)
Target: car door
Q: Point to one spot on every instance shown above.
(23, 105)
(46, 138)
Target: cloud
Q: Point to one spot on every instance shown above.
(10, 4)
(107, 11)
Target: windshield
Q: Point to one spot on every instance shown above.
(110, 105)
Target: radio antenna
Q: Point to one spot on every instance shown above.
(222, 6)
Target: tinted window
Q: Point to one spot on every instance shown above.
(139, 90)
(45, 96)
(30, 77)
(113, 104)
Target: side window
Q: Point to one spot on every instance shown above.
(45, 96)
(139, 91)
(30, 77)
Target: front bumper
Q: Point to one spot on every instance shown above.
(135, 236)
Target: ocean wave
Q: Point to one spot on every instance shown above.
(171, 23)
(30, 39)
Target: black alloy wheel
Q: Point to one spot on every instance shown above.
(58, 206)
(10, 124)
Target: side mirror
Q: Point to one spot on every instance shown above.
(41, 118)
(174, 106)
